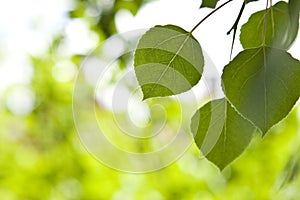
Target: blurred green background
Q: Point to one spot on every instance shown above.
(41, 157)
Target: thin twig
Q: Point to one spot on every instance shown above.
(234, 27)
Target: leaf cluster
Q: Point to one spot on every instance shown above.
(261, 84)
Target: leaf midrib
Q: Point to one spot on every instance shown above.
(172, 59)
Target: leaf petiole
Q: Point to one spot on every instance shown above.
(207, 16)
(265, 25)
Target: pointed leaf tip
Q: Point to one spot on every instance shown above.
(220, 132)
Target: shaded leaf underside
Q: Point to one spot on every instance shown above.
(263, 85)
(220, 132)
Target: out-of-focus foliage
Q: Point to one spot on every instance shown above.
(41, 157)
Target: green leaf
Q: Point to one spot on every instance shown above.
(248, 1)
(220, 132)
(263, 85)
(168, 60)
(281, 31)
(213, 3)
(209, 3)
(294, 9)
